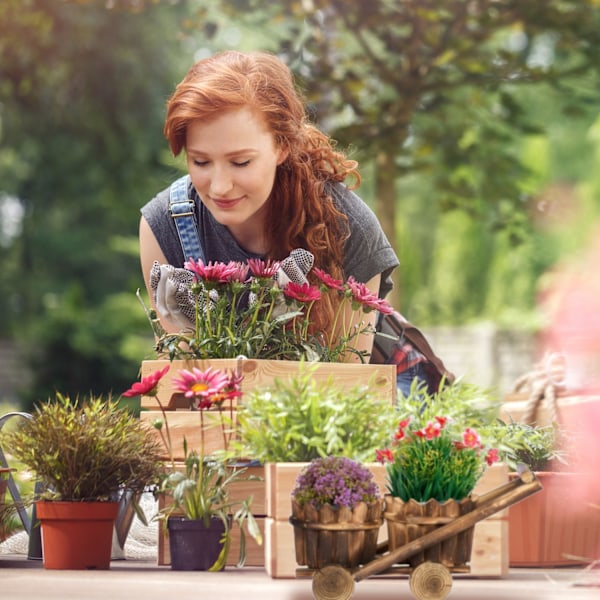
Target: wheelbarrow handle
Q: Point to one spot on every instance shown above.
(497, 500)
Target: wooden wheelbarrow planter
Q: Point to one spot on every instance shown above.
(429, 580)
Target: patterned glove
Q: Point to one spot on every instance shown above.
(172, 296)
(294, 268)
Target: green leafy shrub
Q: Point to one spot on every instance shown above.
(299, 419)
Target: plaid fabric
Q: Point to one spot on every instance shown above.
(404, 355)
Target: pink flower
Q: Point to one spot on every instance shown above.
(470, 438)
(328, 280)
(216, 272)
(196, 383)
(263, 269)
(366, 298)
(384, 456)
(302, 292)
(232, 389)
(240, 273)
(147, 386)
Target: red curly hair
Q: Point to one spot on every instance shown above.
(260, 81)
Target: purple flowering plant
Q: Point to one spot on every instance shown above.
(335, 480)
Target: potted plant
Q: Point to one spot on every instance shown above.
(432, 467)
(85, 451)
(202, 511)
(254, 309)
(559, 526)
(336, 513)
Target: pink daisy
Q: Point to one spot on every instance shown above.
(328, 280)
(216, 272)
(263, 269)
(196, 383)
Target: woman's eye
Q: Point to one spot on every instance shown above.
(241, 164)
(200, 163)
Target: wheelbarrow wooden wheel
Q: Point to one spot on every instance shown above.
(332, 583)
(430, 581)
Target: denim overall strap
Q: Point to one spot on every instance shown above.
(182, 211)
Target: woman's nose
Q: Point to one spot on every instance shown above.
(221, 182)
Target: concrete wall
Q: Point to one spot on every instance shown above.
(483, 354)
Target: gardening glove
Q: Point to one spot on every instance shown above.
(172, 295)
(293, 268)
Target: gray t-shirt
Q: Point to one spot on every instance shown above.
(367, 251)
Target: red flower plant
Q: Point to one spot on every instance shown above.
(434, 459)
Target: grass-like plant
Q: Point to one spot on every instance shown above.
(299, 419)
(86, 449)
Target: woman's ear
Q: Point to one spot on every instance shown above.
(283, 154)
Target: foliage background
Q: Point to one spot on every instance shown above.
(476, 123)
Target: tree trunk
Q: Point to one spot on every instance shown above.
(385, 208)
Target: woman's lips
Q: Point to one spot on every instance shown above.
(226, 203)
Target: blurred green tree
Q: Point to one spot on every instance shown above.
(434, 87)
(82, 93)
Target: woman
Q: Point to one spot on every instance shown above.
(264, 181)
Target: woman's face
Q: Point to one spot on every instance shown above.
(232, 161)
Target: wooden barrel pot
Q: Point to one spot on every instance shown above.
(407, 521)
(334, 535)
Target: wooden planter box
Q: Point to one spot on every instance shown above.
(489, 556)
(257, 373)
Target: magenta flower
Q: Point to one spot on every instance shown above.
(148, 386)
(364, 296)
(216, 272)
(263, 269)
(202, 385)
(302, 292)
(328, 280)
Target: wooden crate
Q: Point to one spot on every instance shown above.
(256, 373)
(489, 556)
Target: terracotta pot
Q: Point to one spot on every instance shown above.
(76, 535)
(553, 524)
(193, 545)
(336, 535)
(407, 521)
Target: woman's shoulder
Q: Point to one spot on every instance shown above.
(353, 206)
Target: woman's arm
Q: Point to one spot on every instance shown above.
(364, 342)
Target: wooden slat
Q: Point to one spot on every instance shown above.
(257, 373)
